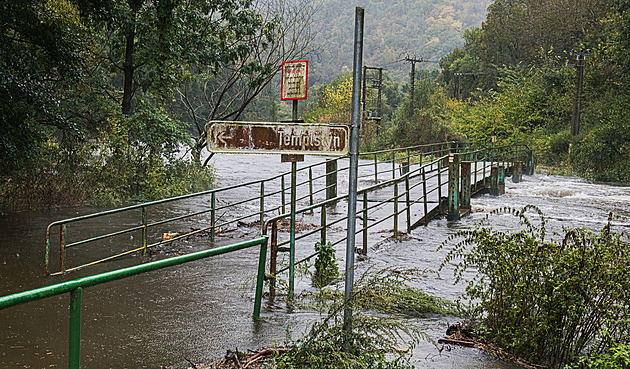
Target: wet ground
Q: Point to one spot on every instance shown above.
(199, 310)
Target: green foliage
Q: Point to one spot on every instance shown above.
(390, 292)
(326, 269)
(617, 357)
(374, 338)
(548, 300)
(86, 93)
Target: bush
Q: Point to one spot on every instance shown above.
(548, 300)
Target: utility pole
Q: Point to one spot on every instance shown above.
(413, 60)
(577, 102)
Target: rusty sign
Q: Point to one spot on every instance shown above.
(279, 138)
(294, 80)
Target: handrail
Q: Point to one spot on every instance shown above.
(424, 170)
(269, 196)
(75, 287)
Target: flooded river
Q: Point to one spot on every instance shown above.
(199, 310)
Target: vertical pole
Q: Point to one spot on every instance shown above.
(62, 248)
(294, 114)
(331, 179)
(424, 196)
(577, 102)
(353, 170)
(213, 215)
(475, 158)
(408, 202)
(365, 222)
(144, 230)
(282, 193)
(453, 187)
(379, 98)
(260, 279)
(466, 185)
(411, 87)
(273, 260)
(501, 180)
(292, 240)
(46, 261)
(74, 353)
(310, 185)
(375, 169)
(323, 225)
(262, 204)
(439, 180)
(363, 100)
(393, 164)
(396, 209)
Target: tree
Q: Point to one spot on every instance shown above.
(224, 91)
(152, 45)
(40, 52)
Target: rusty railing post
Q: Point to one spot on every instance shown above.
(62, 248)
(273, 260)
(282, 190)
(262, 204)
(331, 179)
(144, 230)
(424, 196)
(323, 224)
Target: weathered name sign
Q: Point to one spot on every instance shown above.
(279, 138)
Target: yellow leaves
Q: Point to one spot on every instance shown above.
(61, 11)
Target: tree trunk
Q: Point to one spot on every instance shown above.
(128, 67)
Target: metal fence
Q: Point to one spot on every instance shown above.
(253, 202)
(215, 209)
(421, 179)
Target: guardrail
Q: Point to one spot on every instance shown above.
(75, 287)
(217, 211)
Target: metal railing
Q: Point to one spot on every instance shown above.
(423, 185)
(316, 183)
(75, 287)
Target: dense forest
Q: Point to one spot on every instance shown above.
(515, 78)
(427, 28)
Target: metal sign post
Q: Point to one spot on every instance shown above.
(354, 165)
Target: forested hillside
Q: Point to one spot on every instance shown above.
(427, 28)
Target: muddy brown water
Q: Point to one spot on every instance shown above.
(199, 310)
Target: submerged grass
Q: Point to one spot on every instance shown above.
(380, 337)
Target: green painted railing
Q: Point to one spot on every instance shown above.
(216, 209)
(270, 195)
(75, 287)
(419, 171)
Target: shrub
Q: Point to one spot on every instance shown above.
(547, 300)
